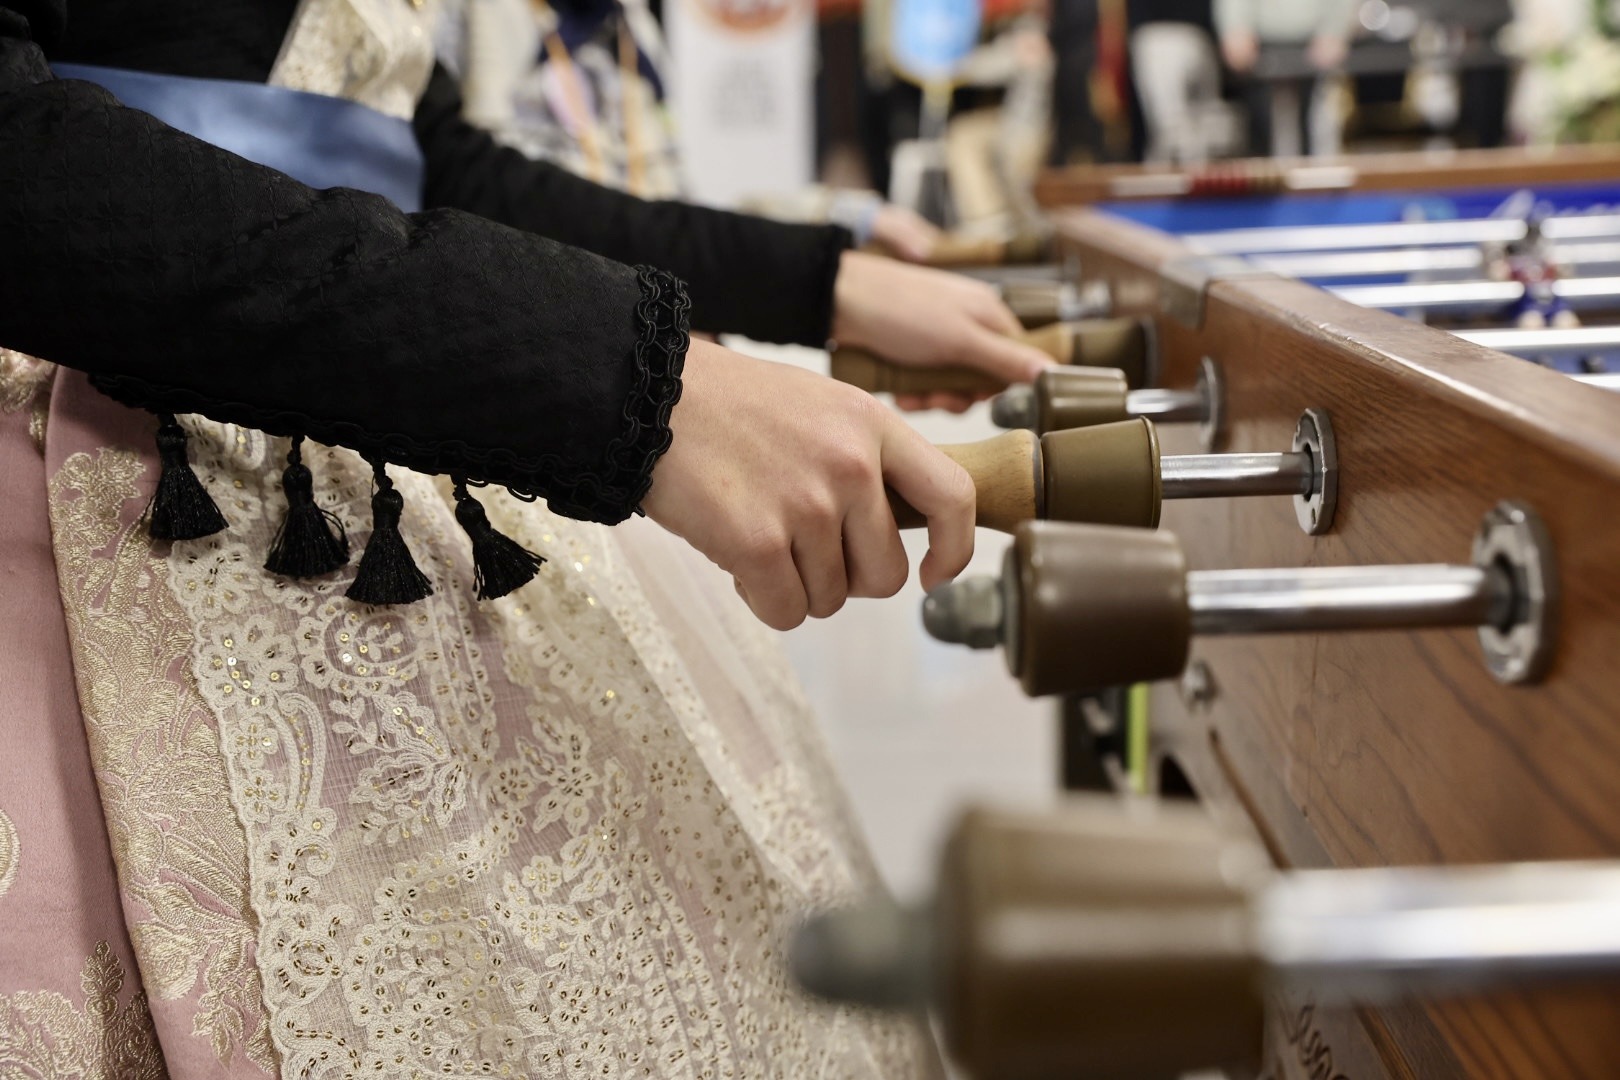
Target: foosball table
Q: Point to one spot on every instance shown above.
(1334, 475)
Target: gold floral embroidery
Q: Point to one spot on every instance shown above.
(43, 1034)
(180, 850)
(22, 379)
(482, 839)
(10, 853)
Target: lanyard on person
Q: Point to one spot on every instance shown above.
(591, 134)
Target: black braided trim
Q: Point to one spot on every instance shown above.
(607, 497)
(663, 321)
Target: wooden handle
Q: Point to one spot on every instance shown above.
(954, 250)
(1103, 475)
(861, 369)
(1006, 474)
(1115, 343)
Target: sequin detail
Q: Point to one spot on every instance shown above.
(504, 838)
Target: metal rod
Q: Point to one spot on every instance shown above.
(1580, 227)
(1477, 295)
(1603, 380)
(1218, 476)
(1431, 295)
(1396, 234)
(1381, 934)
(1375, 263)
(1347, 598)
(1574, 341)
(1167, 406)
(1380, 262)
(1392, 234)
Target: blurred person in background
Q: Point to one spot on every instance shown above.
(1250, 28)
(581, 83)
(1177, 76)
(1076, 134)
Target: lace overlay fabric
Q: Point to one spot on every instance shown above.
(375, 52)
(560, 834)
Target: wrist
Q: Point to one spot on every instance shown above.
(849, 290)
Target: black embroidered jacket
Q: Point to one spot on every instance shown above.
(468, 339)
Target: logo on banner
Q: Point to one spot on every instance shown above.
(931, 37)
(748, 16)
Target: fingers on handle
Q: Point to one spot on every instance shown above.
(873, 554)
(771, 585)
(940, 490)
(996, 316)
(820, 562)
(1005, 358)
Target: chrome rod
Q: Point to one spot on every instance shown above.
(1167, 406)
(1585, 253)
(1452, 295)
(1374, 263)
(1574, 341)
(1380, 934)
(1347, 598)
(1378, 262)
(1477, 295)
(1587, 288)
(1362, 237)
(1580, 227)
(1219, 476)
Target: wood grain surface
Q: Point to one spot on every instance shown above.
(1083, 184)
(1398, 748)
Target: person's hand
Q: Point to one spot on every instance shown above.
(918, 317)
(1327, 51)
(906, 233)
(777, 474)
(1240, 49)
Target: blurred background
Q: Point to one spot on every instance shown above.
(900, 117)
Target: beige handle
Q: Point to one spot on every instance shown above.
(1006, 475)
(955, 250)
(1111, 343)
(1105, 475)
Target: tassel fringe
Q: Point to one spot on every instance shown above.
(500, 564)
(181, 508)
(311, 541)
(387, 574)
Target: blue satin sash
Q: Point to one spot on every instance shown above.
(321, 141)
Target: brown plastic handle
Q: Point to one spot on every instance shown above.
(1112, 343)
(1108, 475)
(1146, 964)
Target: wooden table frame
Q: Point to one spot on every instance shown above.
(1394, 748)
(1085, 184)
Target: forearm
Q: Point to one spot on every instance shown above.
(746, 275)
(186, 279)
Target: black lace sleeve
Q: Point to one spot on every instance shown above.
(184, 278)
(747, 275)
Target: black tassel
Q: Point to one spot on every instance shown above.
(500, 564)
(387, 574)
(181, 508)
(311, 541)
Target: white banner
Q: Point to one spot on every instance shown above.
(742, 91)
